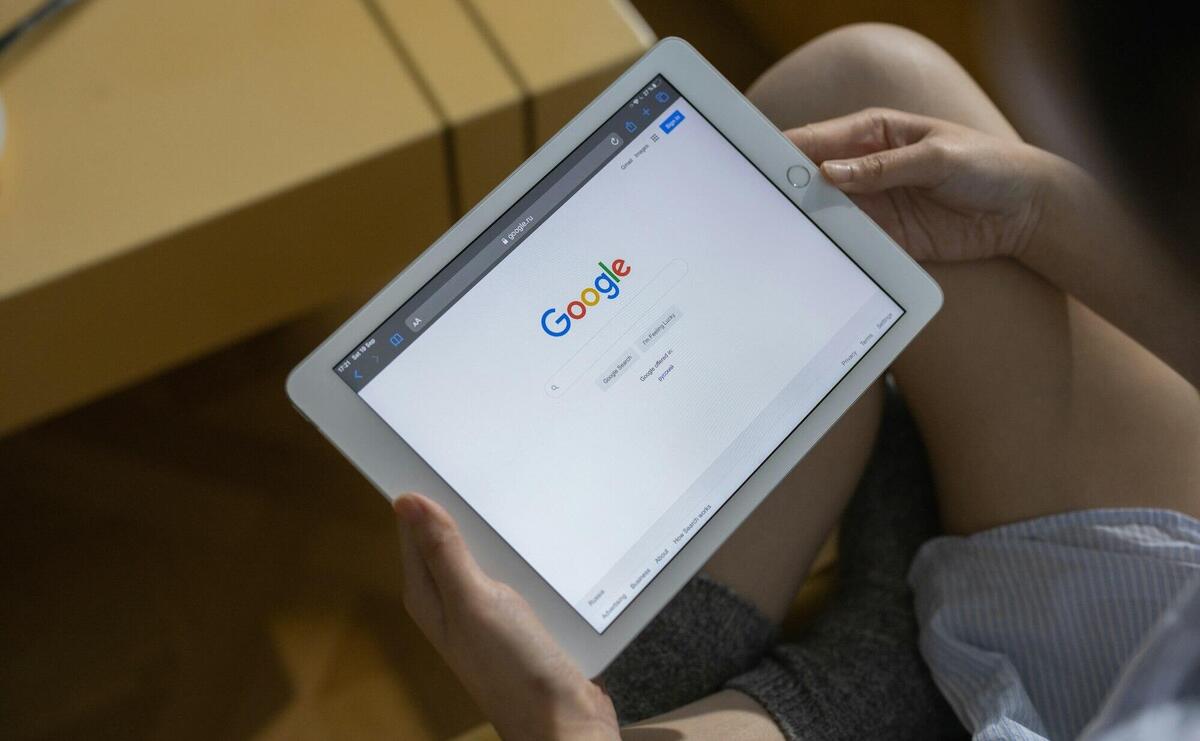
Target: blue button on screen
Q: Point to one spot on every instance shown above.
(672, 121)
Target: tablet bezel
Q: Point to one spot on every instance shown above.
(393, 467)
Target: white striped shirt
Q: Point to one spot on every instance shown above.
(1026, 627)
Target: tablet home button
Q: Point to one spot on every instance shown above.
(798, 176)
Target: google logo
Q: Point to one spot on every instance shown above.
(605, 285)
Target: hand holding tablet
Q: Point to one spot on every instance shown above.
(604, 367)
(513, 668)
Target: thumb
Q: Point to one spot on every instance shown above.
(440, 546)
(921, 165)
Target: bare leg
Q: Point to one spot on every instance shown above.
(728, 716)
(847, 70)
(768, 557)
(1029, 403)
(1055, 411)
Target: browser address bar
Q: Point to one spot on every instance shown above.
(519, 229)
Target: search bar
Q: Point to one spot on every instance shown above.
(540, 210)
(605, 340)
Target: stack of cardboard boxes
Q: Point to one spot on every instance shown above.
(181, 175)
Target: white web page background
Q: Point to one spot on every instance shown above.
(573, 482)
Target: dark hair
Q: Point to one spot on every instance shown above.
(1140, 67)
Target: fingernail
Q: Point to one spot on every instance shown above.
(407, 507)
(838, 172)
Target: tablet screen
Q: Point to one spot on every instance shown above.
(602, 369)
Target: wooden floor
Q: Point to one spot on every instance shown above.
(190, 560)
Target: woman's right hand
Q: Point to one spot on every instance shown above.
(943, 191)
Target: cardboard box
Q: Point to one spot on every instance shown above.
(477, 99)
(179, 175)
(563, 53)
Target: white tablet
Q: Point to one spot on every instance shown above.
(610, 361)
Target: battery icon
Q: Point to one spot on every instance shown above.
(503, 240)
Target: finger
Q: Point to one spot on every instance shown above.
(858, 134)
(920, 165)
(441, 548)
(421, 597)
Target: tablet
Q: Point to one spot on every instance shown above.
(610, 361)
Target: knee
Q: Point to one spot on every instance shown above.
(873, 51)
(857, 66)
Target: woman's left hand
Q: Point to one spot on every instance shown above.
(945, 192)
(524, 682)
